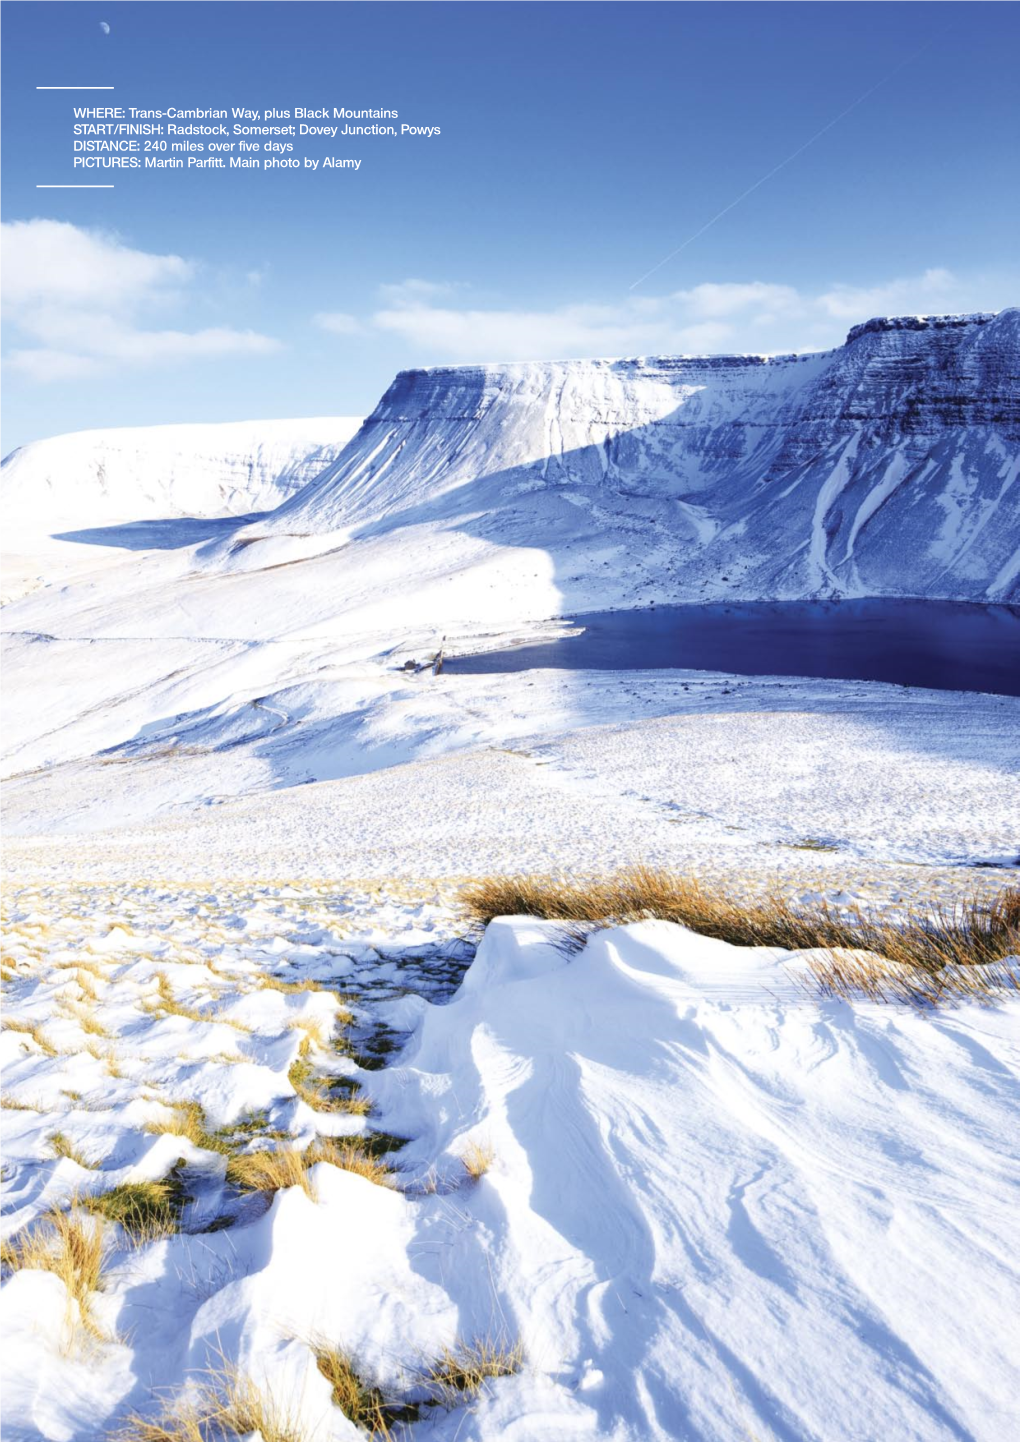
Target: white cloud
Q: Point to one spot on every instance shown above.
(927, 294)
(52, 261)
(77, 299)
(731, 299)
(711, 317)
(518, 335)
(338, 322)
(417, 292)
(115, 346)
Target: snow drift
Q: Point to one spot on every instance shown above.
(717, 1207)
(886, 467)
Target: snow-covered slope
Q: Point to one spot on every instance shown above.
(886, 467)
(93, 478)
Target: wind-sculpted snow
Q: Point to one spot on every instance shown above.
(887, 467)
(715, 1206)
(91, 478)
(718, 1208)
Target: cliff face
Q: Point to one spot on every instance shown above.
(890, 466)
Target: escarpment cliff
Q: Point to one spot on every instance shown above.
(889, 466)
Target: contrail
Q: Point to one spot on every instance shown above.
(793, 156)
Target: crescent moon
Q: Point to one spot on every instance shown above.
(104, 27)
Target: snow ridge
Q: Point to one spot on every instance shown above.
(230, 469)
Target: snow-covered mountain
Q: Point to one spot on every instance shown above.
(478, 503)
(94, 478)
(888, 466)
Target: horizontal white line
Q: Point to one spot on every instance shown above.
(74, 187)
(74, 87)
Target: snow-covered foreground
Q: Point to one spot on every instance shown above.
(715, 1205)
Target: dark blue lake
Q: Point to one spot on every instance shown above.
(940, 644)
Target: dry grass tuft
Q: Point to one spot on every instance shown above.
(366, 1406)
(86, 1018)
(289, 988)
(64, 1147)
(147, 1211)
(351, 1154)
(29, 1029)
(462, 1370)
(86, 983)
(187, 1119)
(314, 1036)
(863, 974)
(112, 1066)
(307, 1085)
(477, 1158)
(958, 953)
(355, 1102)
(168, 1005)
(271, 1171)
(228, 1404)
(70, 1245)
(14, 1104)
(179, 1420)
(324, 1093)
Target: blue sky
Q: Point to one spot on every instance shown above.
(581, 143)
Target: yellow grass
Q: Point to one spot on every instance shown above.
(324, 1094)
(957, 953)
(356, 1103)
(112, 1066)
(147, 1211)
(70, 1245)
(289, 988)
(852, 974)
(86, 1018)
(15, 1104)
(304, 1079)
(168, 1005)
(477, 1158)
(462, 1370)
(351, 1154)
(271, 1171)
(29, 1029)
(64, 1147)
(86, 983)
(366, 1406)
(93, 969)
(187, 1119)
(314, 1036)
(229, 1403)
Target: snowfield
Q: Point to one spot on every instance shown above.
(710, 1204)
(291, 1111)
(70, 500)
